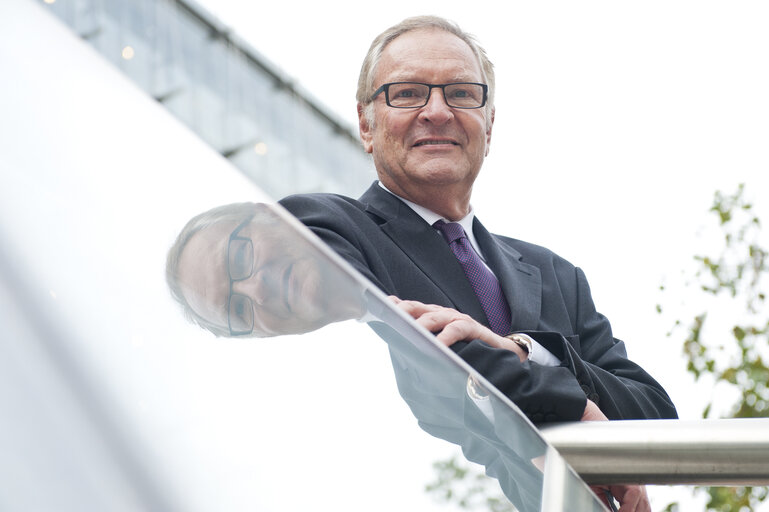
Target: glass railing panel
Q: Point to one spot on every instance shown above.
(305, 286)
(184, 58)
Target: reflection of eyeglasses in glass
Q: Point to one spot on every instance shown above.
(240, 266)
(416, 94)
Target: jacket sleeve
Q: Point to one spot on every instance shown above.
(544, 393)
(594, 365)
(327, 216)
(620, 388)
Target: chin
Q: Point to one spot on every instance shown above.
(442, 175)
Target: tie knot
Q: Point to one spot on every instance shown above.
(451, 230)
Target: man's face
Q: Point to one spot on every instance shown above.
(288, 289)
(435, 144)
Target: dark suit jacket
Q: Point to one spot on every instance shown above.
(385, 240)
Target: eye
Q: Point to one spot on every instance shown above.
(241, 313)
(461, 93)
(239, 309)
(405, 93)
(241, 259)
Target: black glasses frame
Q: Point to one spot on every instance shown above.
(386, 89)
(234, 236)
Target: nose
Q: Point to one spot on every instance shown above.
(437, 110)
(259, 287)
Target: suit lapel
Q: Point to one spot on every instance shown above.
(425, 247)
(521, 282)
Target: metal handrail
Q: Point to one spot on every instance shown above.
(700, 452)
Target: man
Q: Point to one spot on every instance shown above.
(425, 109)
(427, 154)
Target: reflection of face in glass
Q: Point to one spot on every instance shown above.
(260, 277)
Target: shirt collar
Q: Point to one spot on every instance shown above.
(431, 218)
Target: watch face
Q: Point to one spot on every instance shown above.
(522, 340)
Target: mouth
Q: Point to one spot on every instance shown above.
(435, 142)
(288, 289)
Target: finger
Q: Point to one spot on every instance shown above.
(437, 320)
(417, 309)
(458, 329)
(632, 498)
(643, 503)
(600, 492)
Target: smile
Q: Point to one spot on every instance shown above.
(288, 288)
(435, 142)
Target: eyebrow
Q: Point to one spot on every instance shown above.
(454, 79)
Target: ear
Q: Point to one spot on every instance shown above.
(365, 129)
(488, 131)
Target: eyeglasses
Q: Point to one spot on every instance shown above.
(240, 266)
(416, 94)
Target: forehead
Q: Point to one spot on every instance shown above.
(203, 273)
(431, 55)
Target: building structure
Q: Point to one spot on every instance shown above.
(247, 108)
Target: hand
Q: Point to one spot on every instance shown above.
(593, 413)
(631, 498)
(450, 326)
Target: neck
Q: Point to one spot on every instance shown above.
(450, 204)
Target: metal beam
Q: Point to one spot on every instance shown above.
(703, 452)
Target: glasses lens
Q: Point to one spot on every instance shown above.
(241, 259)
(241, 314)
(464, 95)
(407, 95)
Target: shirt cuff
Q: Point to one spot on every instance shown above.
(542, 356)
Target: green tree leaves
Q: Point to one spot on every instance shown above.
(728, 341)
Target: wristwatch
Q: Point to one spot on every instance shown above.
(522, 340)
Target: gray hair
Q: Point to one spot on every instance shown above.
(232, 213)
(368, 70)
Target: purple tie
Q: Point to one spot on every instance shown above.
(482, 280)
